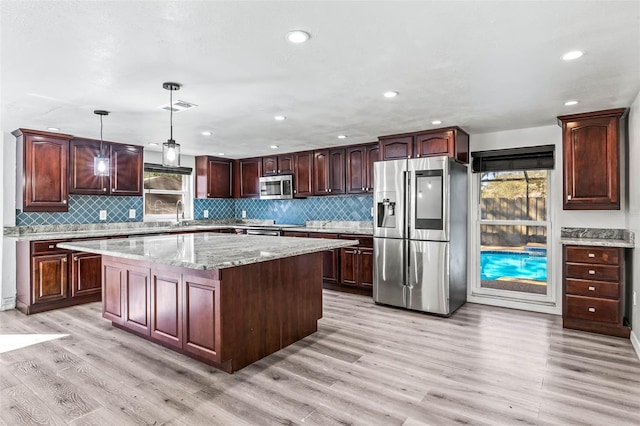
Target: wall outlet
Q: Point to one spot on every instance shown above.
(244, 214)
(634, 298)
(132, 213)
(103, 215)
(205, 213)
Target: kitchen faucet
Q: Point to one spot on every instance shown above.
(178, 204)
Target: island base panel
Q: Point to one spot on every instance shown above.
(228, 318)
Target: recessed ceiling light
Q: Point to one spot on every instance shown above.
(569, 103)
(342, 136)
(153, 143)
(390, 94)
(279, 118)
(298, 36)
(206, 133)
(436, 122)
(274, 147)
(574, 54)
(53, 129)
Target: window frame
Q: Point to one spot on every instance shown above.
(509, 298)
(187, 199)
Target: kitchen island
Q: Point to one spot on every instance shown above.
(227, 300)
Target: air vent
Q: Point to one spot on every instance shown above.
(178, 106)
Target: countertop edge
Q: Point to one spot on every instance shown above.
(596, 242)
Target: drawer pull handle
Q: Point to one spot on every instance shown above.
(51, 246)
(592, 288)
(592, 309)
(592, 272)
(592, 255)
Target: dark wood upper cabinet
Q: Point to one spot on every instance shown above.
(396, 147)
(329, 171)
(450, 141)
(337, 171)
(359, 165)
(303, 174)
(214, 177)
(591, 150)
(248, 175)
(278, 165)
(81, 174)
(126, 163)
(42, 160)
(321, 172)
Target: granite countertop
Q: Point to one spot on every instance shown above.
(63, 232)
(597, 237)
(206, 250)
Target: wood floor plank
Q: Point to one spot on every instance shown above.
(367, 365)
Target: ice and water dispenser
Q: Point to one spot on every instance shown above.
(386, 210)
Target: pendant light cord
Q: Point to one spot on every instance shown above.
(171, 110)
(101, 136)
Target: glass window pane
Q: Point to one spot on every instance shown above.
(514, 258)
(514, 195)
(161, 203)
(163, 181)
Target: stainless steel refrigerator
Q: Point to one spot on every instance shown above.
(420, 234)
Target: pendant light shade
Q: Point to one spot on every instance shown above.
(101, 162)
(171, 149)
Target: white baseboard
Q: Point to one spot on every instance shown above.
(635, 342)
(8, 303)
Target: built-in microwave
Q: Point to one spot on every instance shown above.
(276, 187)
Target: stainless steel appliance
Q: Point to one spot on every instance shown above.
(420, 234)
(276, 187)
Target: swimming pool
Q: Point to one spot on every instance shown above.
(496, 264)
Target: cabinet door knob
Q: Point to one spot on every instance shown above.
(278, 171)
(64, 201)
(418, 156)
(64, 259)
(591, 255)
(592, 309)
(75, 258)
(295, 191)
(329, 190)
(51, 246)
(104, 189)
(113, 190)
(208, 194)
(592, 272)
(592, 288)
(568, 197)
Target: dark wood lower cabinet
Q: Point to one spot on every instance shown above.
(86, 274)
(228, 318)
(347, 269)
(48, 277)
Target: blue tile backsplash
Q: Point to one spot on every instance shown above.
(347, 208)
(219, 208)
(86, 209)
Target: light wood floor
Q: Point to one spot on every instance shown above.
(368, 365)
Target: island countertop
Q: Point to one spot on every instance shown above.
(205, 250)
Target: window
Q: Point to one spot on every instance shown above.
(163, 189)
(513, 227)
(513, 231)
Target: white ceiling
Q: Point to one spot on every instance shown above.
(482, 65)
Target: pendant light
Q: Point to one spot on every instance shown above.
(101, 162)
(170, 149)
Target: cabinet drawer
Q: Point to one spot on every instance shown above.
(593, 288)
(592, 309)
(593, 272)
(602, 255)
(43, 247)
